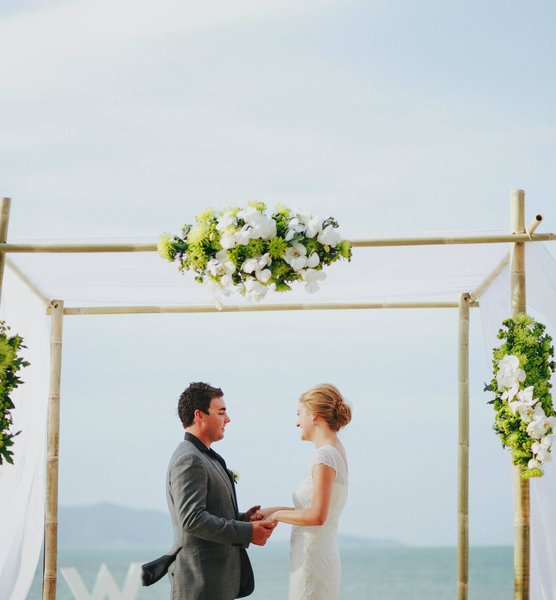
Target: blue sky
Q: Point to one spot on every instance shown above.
(396, 117)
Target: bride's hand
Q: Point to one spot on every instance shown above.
(262, 514)
(271, 517)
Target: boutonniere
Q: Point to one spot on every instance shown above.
(234, 475)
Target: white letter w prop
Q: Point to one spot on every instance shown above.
(105, 587)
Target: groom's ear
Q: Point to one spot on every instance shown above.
(198, 414)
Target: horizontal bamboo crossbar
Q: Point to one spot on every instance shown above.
(151, 247)
(125, 310)
(77, 247)
(454, 240)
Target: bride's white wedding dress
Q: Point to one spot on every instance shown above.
(314, 557)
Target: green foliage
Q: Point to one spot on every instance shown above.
(10, 364)
(526, 339)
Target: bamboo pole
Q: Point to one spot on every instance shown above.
(531, 228)
(480, 289)
(80, 247)
(457, 239)
(521, 486)
(4, 221)
(83, 247)
(51, 521)
(463, 449)
(125, 310)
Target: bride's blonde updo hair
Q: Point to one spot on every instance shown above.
(326, 401)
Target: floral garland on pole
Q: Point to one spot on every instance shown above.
(525, 416)
(246, 250)
(10, 364)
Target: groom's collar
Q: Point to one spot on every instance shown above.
(196, 442)
(189, 437)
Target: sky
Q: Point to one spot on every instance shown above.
(126, 119)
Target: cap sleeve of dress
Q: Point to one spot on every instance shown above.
(326, 455)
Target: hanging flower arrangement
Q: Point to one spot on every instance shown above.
(525, 417)
(246, 250)
(10, 364)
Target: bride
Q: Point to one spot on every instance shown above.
(318, 499)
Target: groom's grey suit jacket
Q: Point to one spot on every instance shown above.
(209, 535)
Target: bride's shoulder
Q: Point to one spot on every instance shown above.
(329, 455)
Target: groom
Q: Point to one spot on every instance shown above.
(208, 560)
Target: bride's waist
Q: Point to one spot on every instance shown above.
(330, 528)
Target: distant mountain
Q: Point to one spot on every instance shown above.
(351, 541)
(109, 527)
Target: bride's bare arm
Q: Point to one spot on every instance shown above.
(264, 513)
(317, 513)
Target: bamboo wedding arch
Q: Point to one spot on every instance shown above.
(520, 234)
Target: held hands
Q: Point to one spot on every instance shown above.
(261, 514)
(251, 514)
(262, 530)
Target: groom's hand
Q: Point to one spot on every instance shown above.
(262, 530)
(252, 514)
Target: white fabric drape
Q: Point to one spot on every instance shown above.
(399, 273)
(22, 484)
(495, 307)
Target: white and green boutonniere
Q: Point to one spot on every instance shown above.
(234, 475)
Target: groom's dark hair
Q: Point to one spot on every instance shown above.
(196, 397)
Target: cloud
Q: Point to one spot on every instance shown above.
(65, 31)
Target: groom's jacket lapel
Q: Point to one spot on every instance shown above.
(218, 464)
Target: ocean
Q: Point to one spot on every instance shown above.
(368, 572)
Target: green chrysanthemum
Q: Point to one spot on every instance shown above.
(260, 206)
(513, 439)
(7, 354)
(165, 247)
(280, 269)
(282, 210)
(10, 364)
(520, 454)
(254, 248)
(277, 247)
(231, 210)
(198, 234)
(530, 473)
(206, 216)
(196, 258)
(237, 255)
(345, 249)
